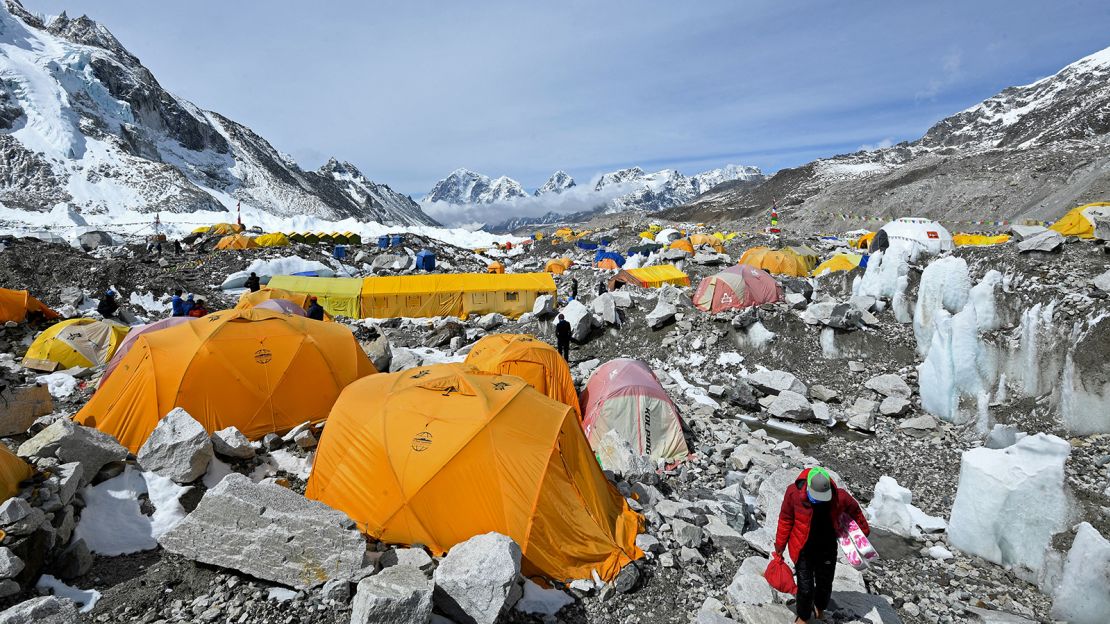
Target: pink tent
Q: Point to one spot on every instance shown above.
(132, 335)
(284, 306)
(739, 286)
(623, 395)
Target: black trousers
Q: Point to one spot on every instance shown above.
(564, 350)
(814, 571)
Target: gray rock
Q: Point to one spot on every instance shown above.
(864, 406)
(404, 359)
(862, 422)
(42, 610)
(889, 385)
(18, 517)
(580, 319)
(305, 440)
(179, 448)
(1022, 232)
(477, 580)
(1045, 242)
(844, 316)
(708, 259)
(10, 564)
(622, 299)
(544, 307)
(987, 616)
(412, 557)
(69, 479)
(742, 395)
(818, 392)
(337, 590)
(764, 614)
(605, 307)
(396, 595)
(748, 585)
(924, 422)
(628, 579)
(797, 301)
(1102, 282)
(663, 313)
(863, 303)
(380, 353)
(819, 313)
(686, 534)
(894, 406)
(791, 405)
(721, 533)
(775, 381)
(491, 321)
(8, 587)
(649, 543)
(269, 532)
(70, 442)
(74, 561)
(232, 443)
(712, 612)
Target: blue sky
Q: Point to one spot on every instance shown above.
(410, 90)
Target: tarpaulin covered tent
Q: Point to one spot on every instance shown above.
(236, 241)
(495, 268)
(587, 245)
(917, 235)
(616, 260)
(1081, 221)
(705, 239)
(129, 340)
(808, 255)
(557, 265)
(979, 240)
(15, 305)
(534, 361)
(650, 277)
(453, 294)
(739, 286)
(623, 395)
(12, 471)
(275, 239)
(260, 371)
(782, 261)
(339, 296)
(78, 342)
(436, 455)
(645, 249)
(839, 262)
(425, 260)
(682, 244)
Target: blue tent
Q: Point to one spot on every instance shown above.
(863, 260)
(605, 240)
(383, 241)
(611, 255)
(339, 252)
(395, 240)
(425, 260)
(588, 246)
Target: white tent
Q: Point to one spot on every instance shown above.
(667, 235)
(918, 235)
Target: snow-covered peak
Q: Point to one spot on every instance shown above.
(464, 186)
(557, 183)
(708, 179)
(621, 176)
(503, 189)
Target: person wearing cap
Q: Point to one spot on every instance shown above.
(809, 523)
(314, 310)
(108, 306)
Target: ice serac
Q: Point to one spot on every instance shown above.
(269, 532)
(1083, 595)
(1011, 501)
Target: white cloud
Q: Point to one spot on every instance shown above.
(885, 143)
(951, 68)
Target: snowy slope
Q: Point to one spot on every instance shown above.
(557, 183)
(84, 125)
(464, 186)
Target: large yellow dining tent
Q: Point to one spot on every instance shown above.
(453, 294)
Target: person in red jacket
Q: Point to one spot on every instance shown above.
(808, 524)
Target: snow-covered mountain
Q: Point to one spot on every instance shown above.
(557, 183)
(1030, 152)
(464, 186)
(83, 123)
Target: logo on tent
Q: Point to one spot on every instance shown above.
(420, 374)
(500, 385)
(932, 234)
(263, 356)
(421, 441)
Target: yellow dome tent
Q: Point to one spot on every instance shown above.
(558, 265)
(839, 262)
(236, 241)
(12, 471)
(249, 299)
(682, 244)
(496, 268)
(534, 361)
(783, 261)
(864, 241)
(979, 240)
(259, 370)
(15, 305)
(224, 229)
(275, 239)
(808, 255)
(705, 239)
(78, 342)
(1080, 221)
(436, 455)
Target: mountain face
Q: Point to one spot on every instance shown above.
(464, 186)
(557, 183)
(1030, 152)
(82, 122)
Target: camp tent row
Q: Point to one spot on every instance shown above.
(338, 238)
(650, 277)
(454, 294)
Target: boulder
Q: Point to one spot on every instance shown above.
(10, 564)
(819, 313)
(18, 517)
(380, 353)
(621, 298)
(544, 307)
(605, 307)
(491, 321)
(742, 395)
(686, 534)
(478, 579)
(894, 406)
(397, 595)
(21, 406)
(580, 319)
(818, 392)
(232, 443)
(1083, 593)
(70, 442)
(922, 423)
(748, 585)
(862, 422)
(889, 385)
(1102, 282)
(707, 259)
(844, 316)
(797, 301)
(662, 314)
(73, 562)
(1045, 242)
(775, 381)
(1022, 232)
(41, 610)
(791, 405)
(412, 557)
(270, 532)
(179, 448)
(442, 335)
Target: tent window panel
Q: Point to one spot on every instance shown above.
(479, 298)
(412, 301)
(512, 296)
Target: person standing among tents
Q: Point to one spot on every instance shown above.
(314, 311)
(177, 246)
(573, 288)
(198, 309)
(177, 304)
(253, 283)
(813, 509)
(562, 337)
(602, 287)
(108, 305)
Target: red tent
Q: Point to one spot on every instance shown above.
(623, 395)
(739, 286)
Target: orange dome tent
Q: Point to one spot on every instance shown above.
(782, 261)
(705, 239)
(439, 454)
(15, 305)
(496, 268)
(12, 471)
(236, 241)
(259, 370)
(864, 242)
(534, 361)
(682, 244)
(558, 265)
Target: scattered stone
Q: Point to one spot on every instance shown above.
(19, 407)
(663, 313)
(580, 319)
(1022, 232)
(748, 585)
(477, 580)
(605, 307)
(179, 448)
(305, 440)
(889, 385)
(396, 595)
(544, 307)
(628, 579)
(1045, 242)
(925, 422)
(232, 443)
(491, 321)
(862, 422)
(42, 610)
(775, 381)
(818, 392)
(413, 557)
(70, 442)
(18, 517)
(74, 561)
(894, 406)
(791, 405)
(10, 564)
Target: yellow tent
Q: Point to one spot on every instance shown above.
(648, 234)
(453, 294)
(259, 370)
(650, 277)
(1079, 221)
(339, 296)
(809, 256)
(839, 262)
(534, 361)
(961, 240)
(705, 239)
(864, 242)
(202, 229)
(682, 244)
(236, 241)
(558, 265)
(275, 239)
(15, 305)
(78, 342)
(495, 268)
(436, 455)
(224, 229)
(12, 471)
(783, 261)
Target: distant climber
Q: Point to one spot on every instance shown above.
(253, 283)
(562, 337)
(178, 304)
(108, 305)
(314, 310)
(809, 522)
(188, 305)
(573, 288)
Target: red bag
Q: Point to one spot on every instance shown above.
(780, 576)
